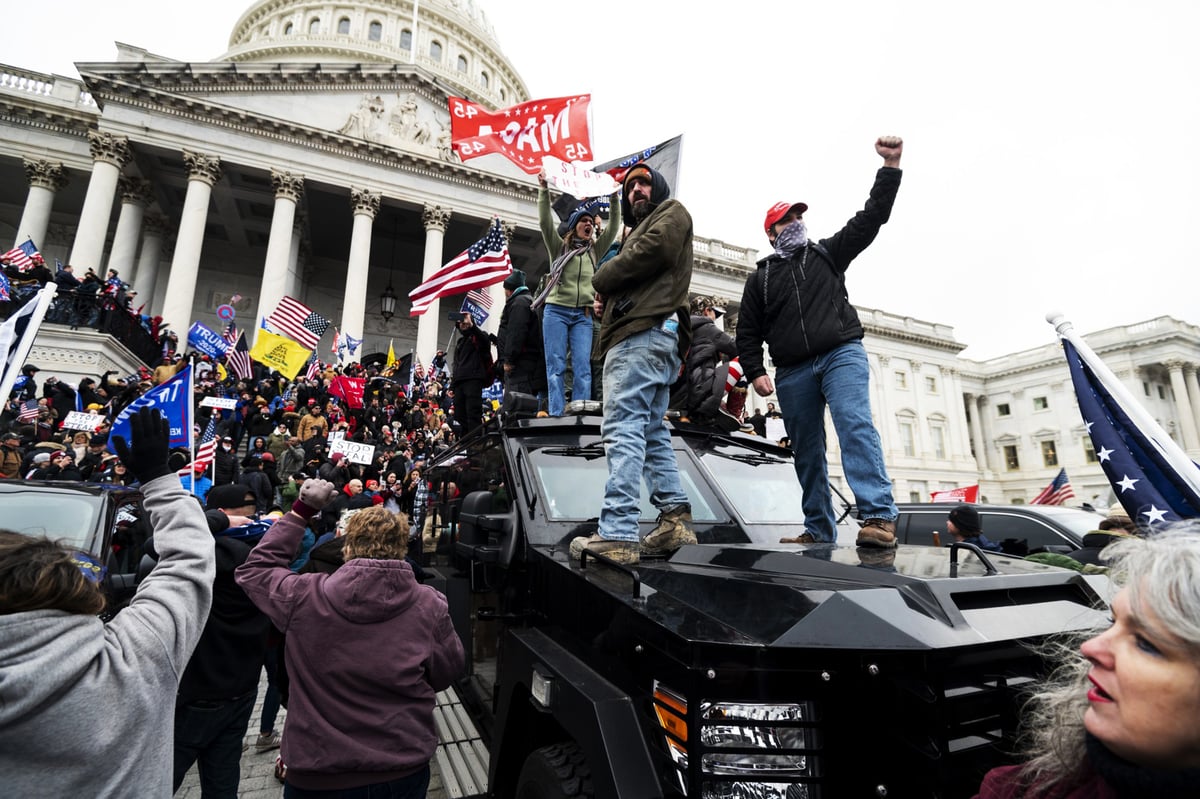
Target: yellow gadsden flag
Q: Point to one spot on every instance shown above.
(391, 356)
(280, 353)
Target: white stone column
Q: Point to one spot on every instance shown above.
(1183, 408)
(435, 219)
(203, 172)
(154, 227)
(982, 408)
(292, 285)
(354, 306)
(288, 190)
(135, 196)
(1192, 379)
(977, 434)
(45, 180)
(110, 153)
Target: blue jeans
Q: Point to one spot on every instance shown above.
(841, 379)
(210, 735)
(562, 326)
(638, 373)
(414, 786)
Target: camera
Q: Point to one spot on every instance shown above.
(455, 316)
(622, 307)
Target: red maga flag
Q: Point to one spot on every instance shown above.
(963, 494)
(482, 264)
(523, 133)
(348, 388)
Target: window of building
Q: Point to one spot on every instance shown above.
(483, 79)
(344, 26)
(938, 434)
(314, 26)
(287, 29)
(1146, 387)
(917, 490)
(375, 31)
(1003, 410)
(1162, 395)
(503, 94)
(931, 385)
(906, 438)
(462, 63)
(901, 380)
(1089, 451)
(406, 39)
(1040, 403)
(1011, 461)
(435, 51)
(1049, 454)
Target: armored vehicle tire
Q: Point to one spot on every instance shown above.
(555, 772)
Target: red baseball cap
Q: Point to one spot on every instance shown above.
(779, 211)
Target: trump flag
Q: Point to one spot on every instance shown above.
(523, 133)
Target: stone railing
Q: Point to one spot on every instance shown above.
(717, 250)
(24, 81)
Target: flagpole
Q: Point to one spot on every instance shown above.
(13, 367)
(1154, 432)
(191, 428)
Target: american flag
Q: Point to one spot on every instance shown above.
(482, 264)
(21, 256)
(206, 449)
(314, 368)
(238, 358)
(481, 298)
(28, 411)
(5, 288)
(1151, 476)
(337, 340)
(296, 320)
(1058, 492)
(231, 333)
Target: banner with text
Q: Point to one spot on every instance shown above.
(208, 341)
(524, 133)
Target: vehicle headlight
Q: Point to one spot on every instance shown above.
(761, 750)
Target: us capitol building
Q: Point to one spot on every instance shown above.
(313, 160)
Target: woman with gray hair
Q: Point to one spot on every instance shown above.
(1121, 717)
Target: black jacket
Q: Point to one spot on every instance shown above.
(520, 337)
(473, 356)
(800, 306)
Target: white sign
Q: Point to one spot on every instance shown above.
(354, 451)
(79, 420)
(228, 403)
(775, 429)
(336, 435)
(576, 180)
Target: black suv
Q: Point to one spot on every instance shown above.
(1018, 529)
(739, 666)
(105, 522)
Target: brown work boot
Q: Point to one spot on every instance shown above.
(803, 538)
(619, 551)
(878, 533)
(672, 531)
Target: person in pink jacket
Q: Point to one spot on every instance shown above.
(367, 648)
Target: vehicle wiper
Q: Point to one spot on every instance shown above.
(591, 451)
(754, 459)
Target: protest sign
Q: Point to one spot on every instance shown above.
(354, 451)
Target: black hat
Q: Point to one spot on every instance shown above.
(579, 213)
(29, 369)
(515, 280)
(11, 434)
(966, 519)
(228, 496)
(98, 441)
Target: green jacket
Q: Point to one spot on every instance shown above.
(653, 270)
(574, 289)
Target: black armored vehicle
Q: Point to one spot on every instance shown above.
(738, 667)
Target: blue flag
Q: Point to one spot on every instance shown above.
(173, 399)
(1150, 481)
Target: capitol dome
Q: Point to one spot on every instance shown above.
(454, 41)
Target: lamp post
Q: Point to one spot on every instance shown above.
(387, 300)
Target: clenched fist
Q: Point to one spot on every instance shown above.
(890, 148)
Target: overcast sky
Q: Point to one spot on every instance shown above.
(1050, 147)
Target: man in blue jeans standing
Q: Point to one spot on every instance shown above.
(796, 302)
(642, 295)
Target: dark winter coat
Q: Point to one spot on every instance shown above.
(473, 357)
(520, 340)
(709, 343)
(799, 306)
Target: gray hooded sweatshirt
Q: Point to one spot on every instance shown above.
(87, 708)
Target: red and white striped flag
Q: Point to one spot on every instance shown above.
(484, 263)
(297, 321)
(29, 411)
(481, 298)
(238, 358)
(1058, 492)
(206, 450)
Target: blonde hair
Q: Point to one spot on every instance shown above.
(377, 534)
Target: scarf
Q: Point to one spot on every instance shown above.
(556, 270)
(791, 239)
(1132, 780)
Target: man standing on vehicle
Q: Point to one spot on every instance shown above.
(642, 293)
(796, 301)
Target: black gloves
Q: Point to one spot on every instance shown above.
(151, 434)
